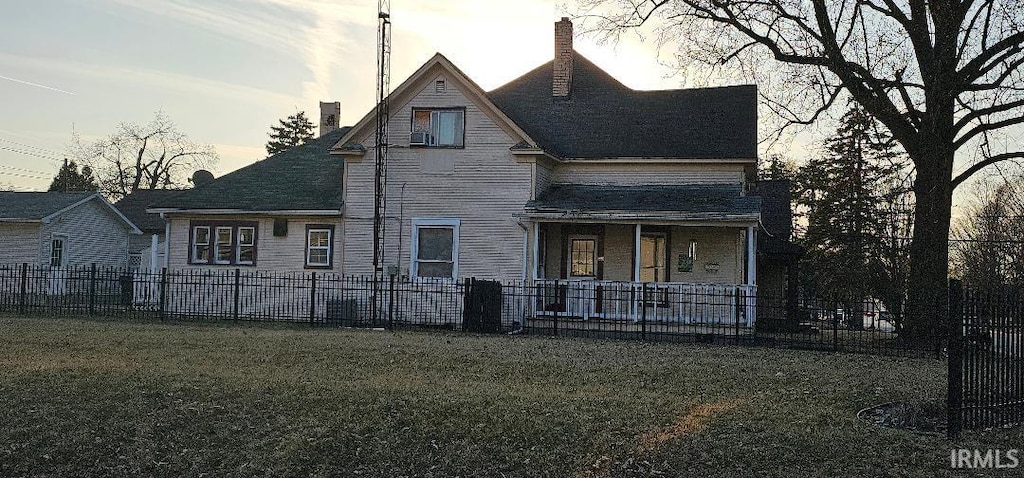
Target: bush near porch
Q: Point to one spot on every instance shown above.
(115, 398)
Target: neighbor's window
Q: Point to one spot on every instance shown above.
(318, 246)
(435, 248)
(438, 127)
(223, 243)
(57, 251)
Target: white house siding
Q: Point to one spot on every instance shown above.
(273, 253)
(95, 235)
(484, 190)
(599, 172)
(19, 243)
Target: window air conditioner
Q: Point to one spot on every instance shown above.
(419, 138)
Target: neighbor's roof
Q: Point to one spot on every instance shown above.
(303, 178)
(683, 202)
(134, 205)
(42, 207)
(603, 118)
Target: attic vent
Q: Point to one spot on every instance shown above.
(439, 86)
(280, 227)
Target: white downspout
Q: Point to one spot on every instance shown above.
(536, 250)
(167, 241)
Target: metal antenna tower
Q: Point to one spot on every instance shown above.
(380, 205)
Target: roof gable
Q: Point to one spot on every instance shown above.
(602, 118)
(45, 206)
(416, 83)
(303, 178)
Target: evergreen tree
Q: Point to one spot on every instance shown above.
(848, 195)
(69, 179)
(293, 131)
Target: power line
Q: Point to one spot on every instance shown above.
(45, 150)
(33, 171)
(29, 153)
(26, 176)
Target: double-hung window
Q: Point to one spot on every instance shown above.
(318, 246)
(222, 243)
(435, 252)
(438, 127)
(57, 245)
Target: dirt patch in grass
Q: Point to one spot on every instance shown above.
(694, 421)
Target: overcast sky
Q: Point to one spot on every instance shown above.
(225, 70)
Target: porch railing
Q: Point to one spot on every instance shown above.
(665, 302)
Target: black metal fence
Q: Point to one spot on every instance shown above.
(703, 313)
(986, 359)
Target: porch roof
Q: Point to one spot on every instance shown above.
(718, 202)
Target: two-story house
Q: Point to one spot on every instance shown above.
(563, 174)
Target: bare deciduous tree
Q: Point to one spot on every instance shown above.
(944, 76)
(155, 155)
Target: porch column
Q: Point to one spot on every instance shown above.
(636, 254)
(751, 256)
(536, 250)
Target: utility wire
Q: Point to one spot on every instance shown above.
(33, 171)
(29, 153)
(44, 150)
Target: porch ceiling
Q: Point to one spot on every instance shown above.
(677, 203)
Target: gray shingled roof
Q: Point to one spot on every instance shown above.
(134, 205)
(604, 118)
(305, 177)
(33, 206)
(699, 200)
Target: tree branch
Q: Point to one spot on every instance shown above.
(960, 178)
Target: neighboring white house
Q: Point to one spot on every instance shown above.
(58, 229)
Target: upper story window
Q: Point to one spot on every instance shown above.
(438, 127)
(223, 243)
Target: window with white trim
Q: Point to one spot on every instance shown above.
(438, 127)
(223, 243)
(245, 254)
(201, 244)
(58, 244)
(318, 246)
(435, 248)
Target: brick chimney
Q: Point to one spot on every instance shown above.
(561, 84)
(330, 117)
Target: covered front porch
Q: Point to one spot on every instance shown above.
(669, 255)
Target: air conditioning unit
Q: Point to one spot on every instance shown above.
(419, 138)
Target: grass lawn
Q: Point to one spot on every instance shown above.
(107, 398)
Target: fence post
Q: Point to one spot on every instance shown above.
(163, 291)
(558, 305)
(643, 311)
(954, 395)
(391, 303)
(739, 300)
(312, 297)
(24, 288)
(238, 290)
(92, 289)
(835, 325)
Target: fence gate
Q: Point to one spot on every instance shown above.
(482, 306)
(986, 358)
